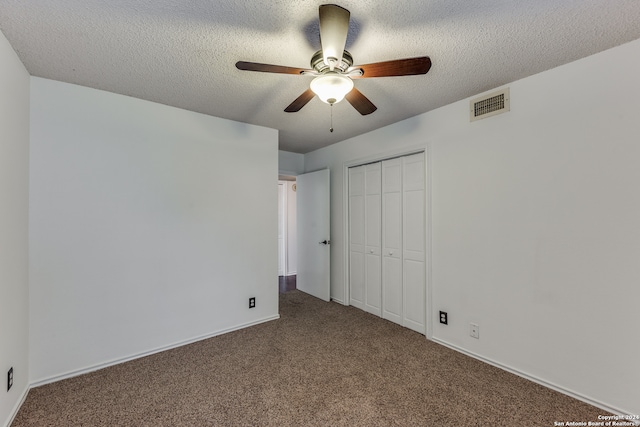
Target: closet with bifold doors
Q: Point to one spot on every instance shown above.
(387, 262)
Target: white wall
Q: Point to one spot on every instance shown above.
(289, 163)
(535, 224)
(138, 241)
(14, 210)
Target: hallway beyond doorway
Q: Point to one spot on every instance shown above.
(286, 283)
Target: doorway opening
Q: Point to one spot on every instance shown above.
(287, 234)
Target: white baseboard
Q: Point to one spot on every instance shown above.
(103, 365)
(571, 393)
(17, 406)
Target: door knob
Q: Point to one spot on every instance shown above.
(371, 251)
(325, 242)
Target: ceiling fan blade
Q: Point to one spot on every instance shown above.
(334, 26)
(360, 102)
(300, 101)
(398, 67)
(268, 68)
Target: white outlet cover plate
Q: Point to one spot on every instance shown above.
(474, 330)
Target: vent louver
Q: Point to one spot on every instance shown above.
(490, 105)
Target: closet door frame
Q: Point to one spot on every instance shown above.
(406, 151)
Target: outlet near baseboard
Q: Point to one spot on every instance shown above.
(10, 379)
(444, 318)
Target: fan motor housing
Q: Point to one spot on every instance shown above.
(317, 62)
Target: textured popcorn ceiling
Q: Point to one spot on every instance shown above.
(182, 53)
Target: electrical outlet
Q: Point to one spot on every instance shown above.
(443, 318)
(474, 330)
(10, 379)
(252, 302)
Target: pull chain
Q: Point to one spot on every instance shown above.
(331, 128)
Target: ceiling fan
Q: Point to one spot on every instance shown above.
(333, 67)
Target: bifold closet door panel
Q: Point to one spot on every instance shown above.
(392, 274)
(414, 236)
(387, 240)
(373, 238)
(357, 237)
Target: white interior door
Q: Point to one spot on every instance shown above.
(413, 197)
(357, 218)
(373, 239)
(365, 280)
(313, 228)
(392, 240)
(387, 239)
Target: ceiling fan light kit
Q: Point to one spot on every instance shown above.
(331, 87)
(332, 66)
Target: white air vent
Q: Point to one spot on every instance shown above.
(490, 105)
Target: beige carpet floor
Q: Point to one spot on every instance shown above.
(321, 364)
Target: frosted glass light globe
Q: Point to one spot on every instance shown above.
(331, 87)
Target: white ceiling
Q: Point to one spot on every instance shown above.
(182, 53)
